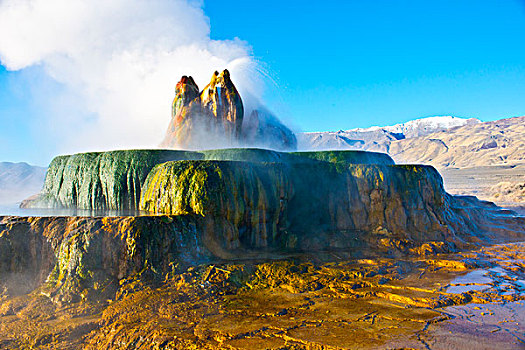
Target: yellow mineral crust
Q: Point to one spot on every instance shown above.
(342, 304)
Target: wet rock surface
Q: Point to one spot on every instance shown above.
(304, 302)
(310, 207)
(100, 180)
(113, 180)
(215, 117)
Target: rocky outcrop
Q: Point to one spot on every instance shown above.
(114, 180)
(156, 301)
(75, 258)
(245, 204)
(221, 100)
(215, 117)
(186, 111)
(201, 119)
(79, 257)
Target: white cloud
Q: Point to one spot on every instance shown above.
(119, 61)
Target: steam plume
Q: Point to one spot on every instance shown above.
(118, 61)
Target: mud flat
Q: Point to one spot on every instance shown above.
(439, 301)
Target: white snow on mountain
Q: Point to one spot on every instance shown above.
(423, 126)
(377, 138)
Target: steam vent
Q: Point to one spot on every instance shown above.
(215, 118)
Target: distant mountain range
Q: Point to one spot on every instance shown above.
(379, 138)
(19, 181)
(439, 141)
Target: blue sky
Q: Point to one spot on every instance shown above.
(341, 64)
(344, 64)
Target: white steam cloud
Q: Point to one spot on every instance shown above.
(119, 61)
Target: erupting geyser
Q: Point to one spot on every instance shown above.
(214, 118)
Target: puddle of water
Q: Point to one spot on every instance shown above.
(466, 288)
(475, 280)
(504, 281)
(498, 271)
(476, 276)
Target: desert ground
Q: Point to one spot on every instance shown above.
(503, 185)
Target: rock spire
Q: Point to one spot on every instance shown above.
(214, 118)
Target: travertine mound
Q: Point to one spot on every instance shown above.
(84, 258)
(249, 204)
(113, 180)
(100, 180)
(312, 206)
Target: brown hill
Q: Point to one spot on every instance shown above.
(500, 142)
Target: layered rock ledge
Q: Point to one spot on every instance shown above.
(247, 248)
(113, 180)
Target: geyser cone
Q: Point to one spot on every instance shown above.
(186, 107)
(214, 118)
(221, 99)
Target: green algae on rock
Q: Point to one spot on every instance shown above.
(101, 180)
(256, 198)
(350, 157)
(243, 203)
(279, 203)
(312, 206)
(113, 180)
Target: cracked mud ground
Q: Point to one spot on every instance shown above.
(474, 299)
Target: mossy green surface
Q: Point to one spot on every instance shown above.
(272, 204)
(113, 180)
(233, 195)
(102, 180)
(349, 157)
(249, 155)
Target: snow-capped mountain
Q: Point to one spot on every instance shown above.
(439, 141)
(423, 126)
(378, 138)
